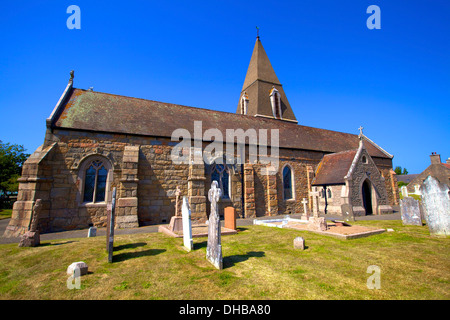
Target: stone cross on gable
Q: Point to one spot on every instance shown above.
(360, 131)
(214, 247)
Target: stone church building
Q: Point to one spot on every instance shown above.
(97, 141)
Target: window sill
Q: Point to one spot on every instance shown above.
(93, 205)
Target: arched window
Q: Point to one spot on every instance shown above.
(244, 103)
(95, 180)
(287, 183)
(221, 174)
(329, 195)
(275, 101)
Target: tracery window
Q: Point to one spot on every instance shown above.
(221, 174)
(95, 179)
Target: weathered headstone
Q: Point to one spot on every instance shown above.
(176, 222)
(214, 247)
(347, 212)
(110, 227)
(404, 191)
(436, 202)
(315, 199)
(92, 232)
(82, 266)
(230, 218)
(317, 224)
(299, 243)
(410, 211)
(32, 238)
(187, 228)
(305, 215)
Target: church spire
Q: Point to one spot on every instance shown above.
(259, 84)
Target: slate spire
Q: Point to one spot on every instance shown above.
(258, 87)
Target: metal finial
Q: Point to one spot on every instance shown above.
(71, 75)
(257, 32)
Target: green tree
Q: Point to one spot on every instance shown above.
(398, 170)
(12, 157)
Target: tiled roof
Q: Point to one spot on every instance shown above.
(333, 168)
(95, 111)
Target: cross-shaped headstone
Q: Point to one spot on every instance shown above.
(177, 201)
(305, 209)
(315, 196)
(214, 247)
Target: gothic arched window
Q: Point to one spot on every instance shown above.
(287, 183)
(275, 101)
(95, 179)
(244, 103)
(221, 174)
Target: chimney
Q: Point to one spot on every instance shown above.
(435, 158)
(448, 161)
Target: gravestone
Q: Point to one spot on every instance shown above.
(347, 212)
(187, 228)
(315, 200)
(410, 211)
(214, 247)
(436, 202)
(92, 232)
(82, 266)
(32, 238)
(176, 222)
(305, 215)
(404, 191)
(110, 227)
(299, 243)
(317, 224)
(230, 218)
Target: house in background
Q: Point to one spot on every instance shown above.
(437, 169)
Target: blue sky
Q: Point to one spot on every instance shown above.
(337, 74)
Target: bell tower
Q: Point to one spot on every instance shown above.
(262, 94)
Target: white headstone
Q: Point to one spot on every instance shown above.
(436, 202)
(187, 228)
(404, 191)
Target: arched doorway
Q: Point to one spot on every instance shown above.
(367, 196)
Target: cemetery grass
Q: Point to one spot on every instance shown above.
(5, 213)
(259, 263)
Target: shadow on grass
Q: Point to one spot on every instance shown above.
(54, 243)
(200, 245)
(131, 255)
(230, 261)
(130, 246)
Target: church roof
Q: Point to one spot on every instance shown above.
(88, 110)
(333, 168)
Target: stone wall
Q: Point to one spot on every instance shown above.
(146, 180)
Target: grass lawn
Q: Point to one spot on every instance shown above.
(259, 263)
(5, 213)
